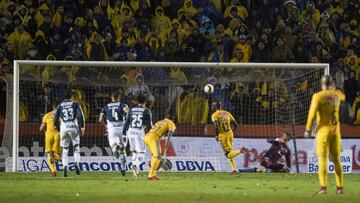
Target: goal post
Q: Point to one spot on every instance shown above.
(184, 66)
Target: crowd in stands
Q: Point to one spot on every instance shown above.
(284, 31)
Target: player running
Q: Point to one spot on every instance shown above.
(270, 161)
(52, 139)
(138, 121)
(325, 106)
(165, 127)
(72, 124)
(115, 114)
(224, 134)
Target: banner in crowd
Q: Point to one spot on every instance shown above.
(195, 154)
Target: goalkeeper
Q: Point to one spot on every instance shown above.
(270, 161)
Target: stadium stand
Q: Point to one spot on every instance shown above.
(183, 30)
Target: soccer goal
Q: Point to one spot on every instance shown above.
(266, 99)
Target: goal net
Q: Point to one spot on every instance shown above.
(265, 99)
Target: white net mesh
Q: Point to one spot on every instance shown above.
(264, 101)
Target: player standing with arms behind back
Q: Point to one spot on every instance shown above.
(138, 122)
(72, 124)
(325, 106)
(115, 114)
(52, 139)
(224, 134)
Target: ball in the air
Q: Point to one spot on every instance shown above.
(208, 88)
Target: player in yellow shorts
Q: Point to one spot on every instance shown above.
(165, 127)
(52, 140)
(325, 106)
(224, 134)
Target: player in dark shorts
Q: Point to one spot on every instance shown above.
(270, 161)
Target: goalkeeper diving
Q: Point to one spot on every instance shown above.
(271, 159)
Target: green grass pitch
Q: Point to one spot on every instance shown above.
(173, 187)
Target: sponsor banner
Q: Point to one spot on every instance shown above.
(206, 148)
(345, 159)
(110, 164)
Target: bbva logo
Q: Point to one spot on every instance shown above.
(194, 166)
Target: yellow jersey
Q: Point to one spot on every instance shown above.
(49, 120)
(161, 128)
(325, 106)
(224, 119)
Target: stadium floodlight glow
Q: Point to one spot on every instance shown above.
(117, 64)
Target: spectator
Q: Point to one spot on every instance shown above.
(144, 51)
(186, 21)
(281, 53)
(189, 9)
(186, 53)
(172, 43)
(161, 23)
(238, 56)
(21, 41)
(242, 12)
(356, 109)
(244, 46)
(311, 15)
(232, 30)
(95, 48)
(351, 61)
(219, 54)
(207, 28)
(77, 53)
(57, 45)
(3, 59)
(196, 41)
(351, 87)
(58, 18)
(140, 88)
(41, 43)
(242, 100)
(260, 53)
(340, 73)
(234, 15)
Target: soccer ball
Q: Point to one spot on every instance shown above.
(208, 88)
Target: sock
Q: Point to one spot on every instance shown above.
(57, 157)
(123, 161)
(77, 154)
(51, 165)
(113, 148)
(339, 178)
(134, 158)
(233, 154)
(65, 156)
(323, 167)
(155, 161)
(139, 159)
(249, 170)
(232, 164)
